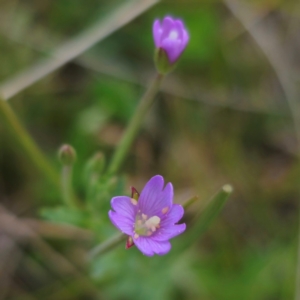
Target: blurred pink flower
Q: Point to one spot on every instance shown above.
(170, 36)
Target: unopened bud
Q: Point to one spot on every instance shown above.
(170, 39)
(67, 155)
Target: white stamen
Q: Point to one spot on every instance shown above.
(133, 201)
(144, 226)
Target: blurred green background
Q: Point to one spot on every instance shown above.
(223, 116)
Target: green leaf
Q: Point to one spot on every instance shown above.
(64, 215)
(205, 219)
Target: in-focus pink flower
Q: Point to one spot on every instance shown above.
(150, 221)
(171, 36)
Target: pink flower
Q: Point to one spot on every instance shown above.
(150, 221)
(170, 36)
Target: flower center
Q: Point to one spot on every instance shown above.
(173, 35)
(145, 226)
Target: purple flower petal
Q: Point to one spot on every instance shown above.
(123, 206)
(172, 47)
(123, 223)
(157, 31)
(154, 199)
(166, 233)
(174, 215)
(167, 26)
(178, 26)
(185, 40)
(150, 247)
(163, 203)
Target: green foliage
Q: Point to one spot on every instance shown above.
(222, 118)
(117, 99)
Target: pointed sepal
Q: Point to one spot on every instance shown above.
(135, 194)
(129, 242)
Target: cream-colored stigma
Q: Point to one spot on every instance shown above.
(144, 226)
(152, 222)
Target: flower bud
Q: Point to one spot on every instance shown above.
(67, 155)
(170, 38)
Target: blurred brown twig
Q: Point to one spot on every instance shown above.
(76, 46)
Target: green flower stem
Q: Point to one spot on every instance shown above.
(107, 245)
(134, 125)
(67, 191)
(27, 143)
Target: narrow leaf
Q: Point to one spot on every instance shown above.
(204, 219)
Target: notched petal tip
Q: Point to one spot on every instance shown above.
(176, 213)
(168, 20)
(155, 197)
(157, 178)
(152, 187)
(169, 190)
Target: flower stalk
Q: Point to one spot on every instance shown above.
(67, 192)
(134, 125)
(28, 145)
(67, 157)
(107, 245)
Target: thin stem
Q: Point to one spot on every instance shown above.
(189, 202)
(134, 125)
(27, 143)
(67, 190)
(107, 245)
